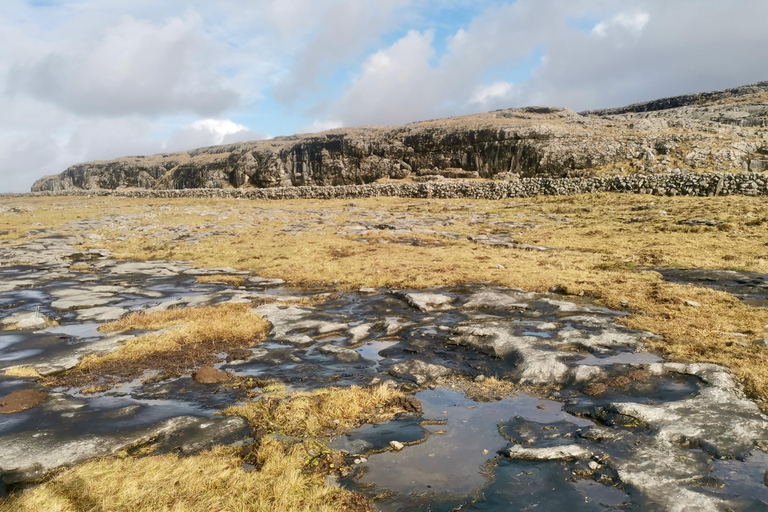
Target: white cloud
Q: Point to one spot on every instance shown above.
(632, 23)
(92, 79)
(395, 85)
(22, 158)
(136, 67)
(210, 132)
(320, 126)
(485, 95)
(337, 31)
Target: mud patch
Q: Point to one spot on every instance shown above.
(22, 400)
(210, 375)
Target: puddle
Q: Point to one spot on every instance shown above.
(8, 340)
(750, 287)
(604, 495)
(371, 349)
(85, 330)
(451, 460)
(624, 358)
(744, 479)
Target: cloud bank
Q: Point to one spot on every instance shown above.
(85, 79)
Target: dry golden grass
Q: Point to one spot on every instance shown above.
(211, 481)
(22, 372)
(191, 338)
(222, 279)
(604, 241)
(320, 411)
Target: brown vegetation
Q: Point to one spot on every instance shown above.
(321, 411)
(211, 481)
(191, 338)
(605, 243)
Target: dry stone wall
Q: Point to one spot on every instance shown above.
(669, 184)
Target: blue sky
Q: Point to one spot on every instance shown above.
(89, 79)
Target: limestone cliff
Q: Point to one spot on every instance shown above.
(723, 131)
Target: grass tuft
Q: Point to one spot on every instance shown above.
(190, 338)
(320, 411)
(211, 481)
(22, 372)
(222, 279)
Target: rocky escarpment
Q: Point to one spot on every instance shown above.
(723, 131)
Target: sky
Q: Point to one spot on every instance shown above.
(93, 79)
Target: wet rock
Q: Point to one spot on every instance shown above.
(396, 445)
(210, 375)
(717, 420)
(420, 371)
(395, 324)
(345, 355)
(537, 367)
(25, 320)
(265, 281)
(82, 299)
(68, 359)
(287, 320)
(21, 400)
(562, 452)
(498, 300)
(662, 472)
(427, 302)
(102, 314)
(27, 456)
(359, 333)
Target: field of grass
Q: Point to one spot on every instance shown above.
(605, 245)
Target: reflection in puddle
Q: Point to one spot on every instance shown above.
(20, 354)
(451, 460)
(622, 358)
(600, 494)
(10, 340)
(747, 479)
(371, 349)
(86, 330)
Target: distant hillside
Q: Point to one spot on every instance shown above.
(714, 131)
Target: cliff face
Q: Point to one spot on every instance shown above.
(724, 131)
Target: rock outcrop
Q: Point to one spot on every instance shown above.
(723, 131)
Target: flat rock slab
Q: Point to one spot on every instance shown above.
(25, 320)
(83, 300)
(427, 302)
(28, 456)
(102, 314)
(567, 452)
(345, 355)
